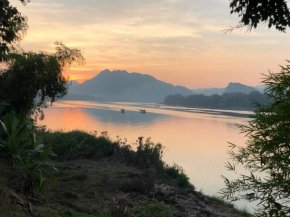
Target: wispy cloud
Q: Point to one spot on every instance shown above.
(179, 41)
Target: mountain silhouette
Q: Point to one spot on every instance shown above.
(239, 88)
(73, 84)
(123, 86)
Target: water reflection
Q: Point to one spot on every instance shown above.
(196, 141)
(128, 117)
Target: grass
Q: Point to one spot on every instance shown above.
(152, 208)
(102, 178)
(81, 145)
(72, 213)
(147, 208)
(242, 212)
(176, 172)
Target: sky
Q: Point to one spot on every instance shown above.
(176, 41)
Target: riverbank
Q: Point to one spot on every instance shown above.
(101, 178)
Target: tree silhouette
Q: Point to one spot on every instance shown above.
(30, 79)
(252, 12)
(13, 26)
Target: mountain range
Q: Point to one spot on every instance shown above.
(135, 87)
(123, 86)
(231, 88)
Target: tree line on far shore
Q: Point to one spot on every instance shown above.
(225, 101)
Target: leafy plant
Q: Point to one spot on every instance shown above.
(19, 144)
(148, 154)
(13, 26)
(275, 13)
(176, 172)
(266, 154)
(31, 80)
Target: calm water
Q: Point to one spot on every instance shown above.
(195, 139)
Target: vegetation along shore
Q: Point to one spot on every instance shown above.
(97, 177)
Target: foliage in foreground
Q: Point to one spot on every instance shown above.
(21, 148)
(13, 26)
(176, 172)
(266, 154)
(81, 145)
(275, 13)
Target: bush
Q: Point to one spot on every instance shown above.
(152, 208)
(79, 145)
(148, 155)
(266, 153)
(176, 172)
(19, 145)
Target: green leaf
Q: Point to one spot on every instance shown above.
(15, 125)
(8, 123)
(4, 127)
(44, 154)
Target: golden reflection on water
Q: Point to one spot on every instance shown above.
(195, 141)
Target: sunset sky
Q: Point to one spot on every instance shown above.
(177, 41)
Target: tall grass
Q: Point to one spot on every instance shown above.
(147, 155)
(177, 173)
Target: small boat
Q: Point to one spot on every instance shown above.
(123, 110)
(143, 111)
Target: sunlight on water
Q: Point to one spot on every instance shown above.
(195, 139)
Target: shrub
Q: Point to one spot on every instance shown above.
(266, 153)
(148, 155)
(79, 145)
(176, 172)
(19, 145)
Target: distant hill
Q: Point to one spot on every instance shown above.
(231, 88)
(239, 88)
(260, 88)
(235, 96)
(73, 84)
(123, 86)
(209, 91)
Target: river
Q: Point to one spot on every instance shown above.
(196, 139)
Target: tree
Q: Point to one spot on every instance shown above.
(12, 27)
(267, 153)
(252, 12)
(30, 80)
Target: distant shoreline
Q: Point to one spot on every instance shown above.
(162, 106)
(212, 111)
